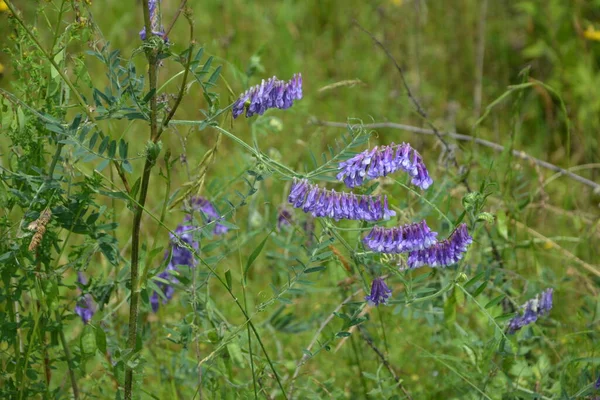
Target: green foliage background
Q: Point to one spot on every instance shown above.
(459, 58)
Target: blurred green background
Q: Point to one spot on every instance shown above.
(458, 56)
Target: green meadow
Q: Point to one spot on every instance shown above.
(106, 139)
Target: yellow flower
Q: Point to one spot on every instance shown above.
(1, 68)
(590, 33)
(394, 2)
(3, 6)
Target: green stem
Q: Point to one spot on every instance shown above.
(63, 342)
(139, 209)
(248, 325)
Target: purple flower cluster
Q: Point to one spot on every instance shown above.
(155, 25)
(533, 309)
(180, 256)
(284, 217)
(443, 253)
(328, 203)
(380, 293)
(380, 161)
(272, 93)
(85, 307)
(208, 210)
(400, 239)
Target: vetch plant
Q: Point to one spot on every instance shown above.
(227, 253)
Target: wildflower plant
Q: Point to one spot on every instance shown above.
(187, 258)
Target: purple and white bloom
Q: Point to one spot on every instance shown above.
(532, 310)
(444, 253)
(157, 28)
(284, 217)
(320, 202)
(380, 293)
(384, 160)
(85, 307)
(208, 210)
(272, 93)
(400, 239)
(180, 255)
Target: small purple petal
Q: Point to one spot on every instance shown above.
(381, 161)
(400, 239)
(85, 306)
(272, 93)
(208, 210)
(380, 293)
(331, 204)
(533, 309)
(444, 253)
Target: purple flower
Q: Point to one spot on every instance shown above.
(380, 293)
(180, 255)
(208, 210)
(166, 288)
(371, 164)
(272, 93)
(328, 203)
(597, 384)
(85, 307)
(443, 253)
(284, 217)
(400, 239)
(155, 25)
(532, 310)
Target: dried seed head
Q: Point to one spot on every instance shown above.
(39, 226)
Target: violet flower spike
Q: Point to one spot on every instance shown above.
(320, 202)
(400, 239)
(380, 293)
(208, 210)
(384, 160)
(538, 306)
(155, 26)
(444, 253)
(85, 307)
(180, 256)
(272, 93)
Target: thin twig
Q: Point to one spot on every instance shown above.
(185, 74)
(480, 59)
(420, 110)
(177, 14)
(384, 361)
(305, 356)
(467, 138)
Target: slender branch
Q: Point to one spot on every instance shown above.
(305, 356)
(477, 91)
(177, 14)
(139, 207)
(418, 107)
(165, 122)
(68, 357)
(467, 138)
(384, 361)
